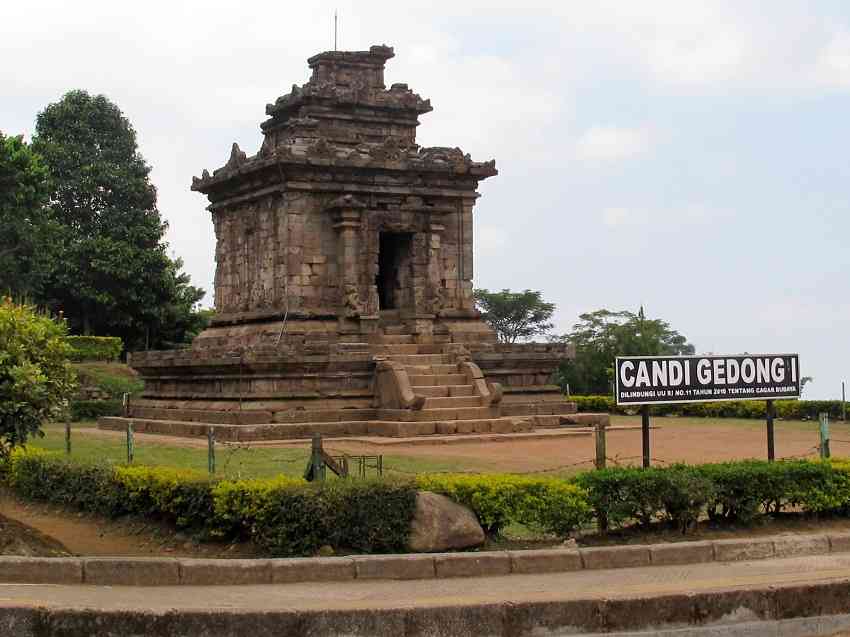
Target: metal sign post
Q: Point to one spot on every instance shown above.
(644, 428)
(771, 447)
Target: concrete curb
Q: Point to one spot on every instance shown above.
(200, 572)
(794, 610)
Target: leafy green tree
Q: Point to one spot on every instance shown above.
(112, 274)
(515, 315)
(24, 224)
(36, 379)
(600, 336)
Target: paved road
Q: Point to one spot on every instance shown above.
(632, 582)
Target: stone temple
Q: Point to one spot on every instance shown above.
(343, 286)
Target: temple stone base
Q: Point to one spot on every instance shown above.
(395, 383)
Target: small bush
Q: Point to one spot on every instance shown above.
(94, 348)
(94, 409)
(549, 504)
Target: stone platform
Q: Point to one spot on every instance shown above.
(393, 386)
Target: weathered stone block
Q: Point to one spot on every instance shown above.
(681, 553)
(131, 571)
(615, 557)
(41, 570)
(545, 561)
(395, 567)
(472, 564)
(224, 572)
(743, 549)
(315, 569)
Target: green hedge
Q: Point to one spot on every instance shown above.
(94, 348)
(287, 516)
(788, 409)
(94, 409)
(731, 492)
(283, 516)
(547, 504)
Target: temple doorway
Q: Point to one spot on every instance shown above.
(394, 270)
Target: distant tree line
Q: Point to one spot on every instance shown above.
(80, 231)
(599, 336)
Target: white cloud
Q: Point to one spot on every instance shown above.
(606, 143)
(833, 62)
(673, 217)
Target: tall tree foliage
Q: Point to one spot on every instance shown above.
(112, 274)
(515, 315)
(24, 223)
(600, 336)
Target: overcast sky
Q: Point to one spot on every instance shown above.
(687, 156)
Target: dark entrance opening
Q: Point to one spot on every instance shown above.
(393, 269)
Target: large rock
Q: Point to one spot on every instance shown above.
(440, 524)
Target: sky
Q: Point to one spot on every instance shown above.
(687, 156)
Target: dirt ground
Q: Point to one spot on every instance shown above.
(28, 528)
(674, 440)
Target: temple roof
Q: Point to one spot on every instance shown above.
(345, 116)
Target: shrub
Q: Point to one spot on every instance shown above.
(36, 380)
(550, 504)
(94, 348)
(282, 515)
(179, 496)
(94, 409)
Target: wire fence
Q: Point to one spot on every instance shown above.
(241, 459)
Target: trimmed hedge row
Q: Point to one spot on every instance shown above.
(287, 516)
(94, 348)
(547, 504)
(283, 516)
(94, 409)
(788, 409)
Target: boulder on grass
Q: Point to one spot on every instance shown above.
(439, 524)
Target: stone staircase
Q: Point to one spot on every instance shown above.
(437, 376)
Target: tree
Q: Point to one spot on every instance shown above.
(23, 218)
(600, 336)
(112, 274)
(36, 379)
(515, 315)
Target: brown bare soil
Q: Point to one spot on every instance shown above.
(50, 528)
(689, 440)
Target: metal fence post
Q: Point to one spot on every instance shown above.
(824, 434)
(67, 436)
(211, 450)
(601, 452)
(316, 460)
(130, 443)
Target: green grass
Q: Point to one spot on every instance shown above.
(232, 461)
(115, 379)
(244, 460)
